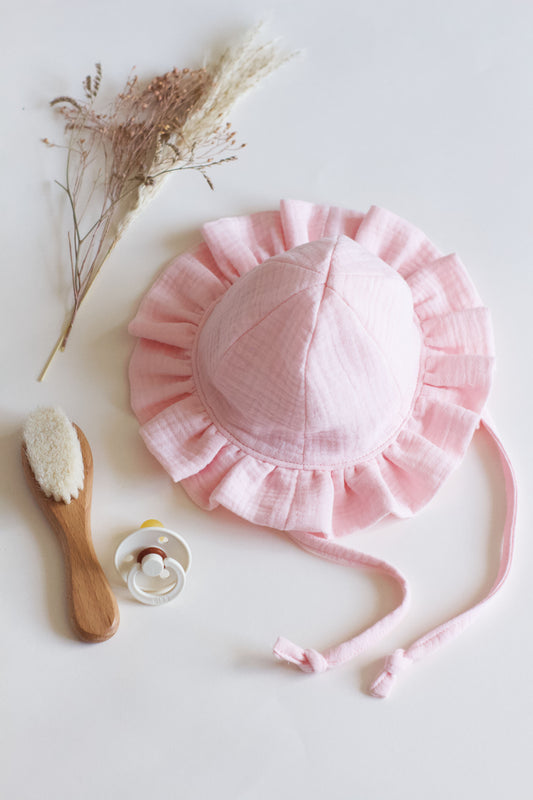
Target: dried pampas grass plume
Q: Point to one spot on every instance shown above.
(239, 69)
(118, 158)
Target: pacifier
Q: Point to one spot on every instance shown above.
(153, 562)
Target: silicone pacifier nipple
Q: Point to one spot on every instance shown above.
(152, 561)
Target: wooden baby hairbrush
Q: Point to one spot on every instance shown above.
(58, 466)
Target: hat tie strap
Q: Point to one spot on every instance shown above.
(309, 660)
(452, 628)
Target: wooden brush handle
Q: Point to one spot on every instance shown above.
(92, 604)
(93, 607)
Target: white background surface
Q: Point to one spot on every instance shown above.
(425, 108)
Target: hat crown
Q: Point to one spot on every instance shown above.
(312, 358)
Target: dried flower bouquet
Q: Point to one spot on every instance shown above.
(118, 158)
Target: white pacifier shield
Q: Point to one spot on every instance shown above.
(157, 576)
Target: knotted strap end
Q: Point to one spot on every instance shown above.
(307, 660)
(385, 681)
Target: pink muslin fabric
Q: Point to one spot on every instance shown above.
(314, 370)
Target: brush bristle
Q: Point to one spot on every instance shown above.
(54, 453)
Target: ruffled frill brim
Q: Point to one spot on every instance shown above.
(457, 365)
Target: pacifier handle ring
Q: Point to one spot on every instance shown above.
(152, 598)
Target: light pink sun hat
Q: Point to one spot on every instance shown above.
(315, 370)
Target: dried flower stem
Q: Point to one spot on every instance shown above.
(117, 159)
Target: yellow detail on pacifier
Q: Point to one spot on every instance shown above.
(152, 523)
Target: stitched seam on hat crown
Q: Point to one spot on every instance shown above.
(312, 336)
(393, 275)
(266, 316)
(378, 346)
